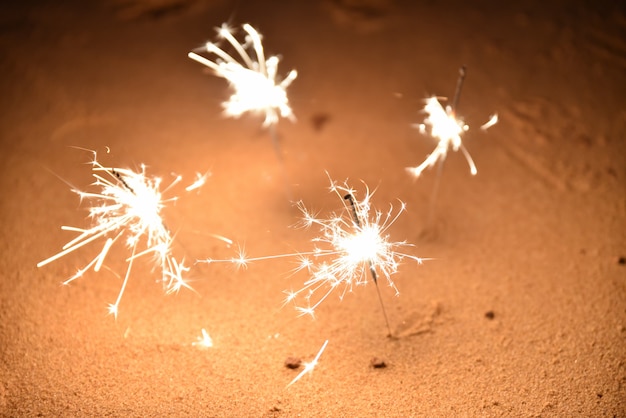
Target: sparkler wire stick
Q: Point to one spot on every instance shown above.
(434, 193)
(357, 221)
(277, 150)
(279, 156)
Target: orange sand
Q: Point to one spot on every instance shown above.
(535, 238)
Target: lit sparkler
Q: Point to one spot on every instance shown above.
(447, 128)
(251, 75)
(351, 246)
(127, 206)
(308, 367)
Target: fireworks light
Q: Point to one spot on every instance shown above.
(126, 206)
(254, 79)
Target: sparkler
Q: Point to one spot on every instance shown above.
(127, 206)
(254, 79)
(355, 244)
(447, 128)
(308, 367)
(348, 249)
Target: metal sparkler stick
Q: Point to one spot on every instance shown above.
(357, 221)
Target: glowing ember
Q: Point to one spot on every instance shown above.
(351, 246)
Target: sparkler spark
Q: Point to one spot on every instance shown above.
(254, 80)
(308, 367)
(127, 206)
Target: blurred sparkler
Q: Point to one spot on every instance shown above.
(251, 75)
(445, 126)
(126, 205)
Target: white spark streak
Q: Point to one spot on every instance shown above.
(308, 367)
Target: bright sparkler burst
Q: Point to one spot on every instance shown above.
(126, 206)
(351, 246)
(447, 128)
(254, 80)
